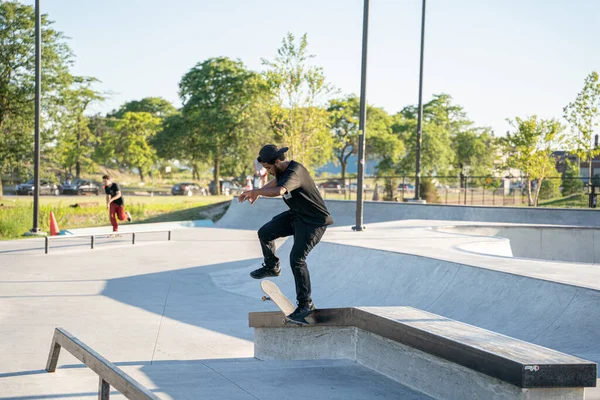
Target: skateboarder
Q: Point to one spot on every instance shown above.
(114, 203)
(306, 219)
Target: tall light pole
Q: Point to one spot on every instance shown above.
(420, 117)
(38, 94)
(362, 122)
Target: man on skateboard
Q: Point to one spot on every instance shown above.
(114, 203)
(306, 220)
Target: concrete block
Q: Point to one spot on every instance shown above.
(423, 372)
(307, 343)
(442, 379)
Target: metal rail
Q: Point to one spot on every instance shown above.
(94, 235)
(108, 373)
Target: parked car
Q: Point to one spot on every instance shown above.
(228, 187)
(46, 187)
(406, 186)
(80, 187)
(187, 189)
(332, 185)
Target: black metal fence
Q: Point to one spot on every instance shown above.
(476, 190)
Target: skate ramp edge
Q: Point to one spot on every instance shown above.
(253, 216)
(559, 316)
(440, 357)
(552, 243)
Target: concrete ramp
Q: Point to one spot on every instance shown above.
(556, 315)
(560, 243)
(253, 216)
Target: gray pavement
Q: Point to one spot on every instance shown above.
(174, 314)
(153, 310)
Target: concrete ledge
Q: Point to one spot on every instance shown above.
(435, 355)
(247, 216)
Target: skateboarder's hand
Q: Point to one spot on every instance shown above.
(249, 195)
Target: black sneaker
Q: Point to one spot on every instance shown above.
(128, 216)
(264, 272)
(301, 312)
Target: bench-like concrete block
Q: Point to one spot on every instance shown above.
(424, 372)
(442, 379)
(304, 344)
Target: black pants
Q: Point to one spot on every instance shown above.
(305, 238)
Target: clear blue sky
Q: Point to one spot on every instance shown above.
(498, 59)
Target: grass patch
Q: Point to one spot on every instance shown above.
(573, 201)
(16, 215)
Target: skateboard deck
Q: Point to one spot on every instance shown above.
(273, 293)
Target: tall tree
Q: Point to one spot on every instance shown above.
(296, 114)
(343, 120)
(156, 106)
(130, 145)
(76, 142)
(529, 149)
(17, 81)
(571, 181)
(179, 139)
(220, 97)
(583, 115)
(474, 152)
(442, 122)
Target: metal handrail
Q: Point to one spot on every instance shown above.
(94, 235)
(108, 373)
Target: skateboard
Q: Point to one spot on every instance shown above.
(285, 305)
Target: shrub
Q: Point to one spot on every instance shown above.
(428, 191)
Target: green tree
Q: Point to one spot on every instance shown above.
(220, 98)
(17, 82)
(76, 141)
(381, 143)
(571, 182)
(583, 115)
(442, 122)
(529, 149)
(295, 113)
(550, 188)
(156, 106)
(130, 146)
(474, 152)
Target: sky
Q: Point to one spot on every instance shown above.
(497, 59)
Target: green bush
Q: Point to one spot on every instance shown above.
(428, 191)
(550, 189)
(571, 182)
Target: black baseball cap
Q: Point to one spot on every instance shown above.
(269, 153)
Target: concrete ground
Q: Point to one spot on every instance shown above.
(174, 315)
(154, 311)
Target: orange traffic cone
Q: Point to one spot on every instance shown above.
(53, 225)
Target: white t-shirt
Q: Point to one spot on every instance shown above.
(259, 169)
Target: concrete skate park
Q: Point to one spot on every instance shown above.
(428, 302)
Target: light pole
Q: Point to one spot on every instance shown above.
(420, 116)
(35, 230)
(362, 122)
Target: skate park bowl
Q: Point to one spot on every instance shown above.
(535, 283)
(175, 316)
(557, 243)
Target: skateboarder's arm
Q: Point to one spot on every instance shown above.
(117, 196)
(271, 191)
(272, 182)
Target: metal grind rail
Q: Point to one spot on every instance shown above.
(95, 235)
(108, 373)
